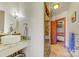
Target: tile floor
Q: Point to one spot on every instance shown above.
(57, 50)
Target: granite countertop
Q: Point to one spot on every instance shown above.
(11, 48)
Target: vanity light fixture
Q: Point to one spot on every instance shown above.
(18, 15)
(56, 6)
(15, 14)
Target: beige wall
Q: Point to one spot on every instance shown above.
(75, 25)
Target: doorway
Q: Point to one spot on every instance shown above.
(61, 31)
(58, 38)
(58, 31)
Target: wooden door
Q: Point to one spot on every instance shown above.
(53, 32)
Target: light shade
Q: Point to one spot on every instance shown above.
(56, 6)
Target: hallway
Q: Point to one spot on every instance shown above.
(57, 50)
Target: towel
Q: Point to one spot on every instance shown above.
(72, 42)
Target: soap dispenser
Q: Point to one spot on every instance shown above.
(11, 29)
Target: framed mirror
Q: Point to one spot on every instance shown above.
(2, 17)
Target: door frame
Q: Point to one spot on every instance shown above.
(63, 18)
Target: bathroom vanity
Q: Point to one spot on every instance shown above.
(10, 36)
(9, 49)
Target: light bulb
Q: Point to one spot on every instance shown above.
(56, 6)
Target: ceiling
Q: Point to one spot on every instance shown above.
(63, 6)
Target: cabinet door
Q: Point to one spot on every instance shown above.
(53, 32)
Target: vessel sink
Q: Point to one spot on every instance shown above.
(10, 39)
